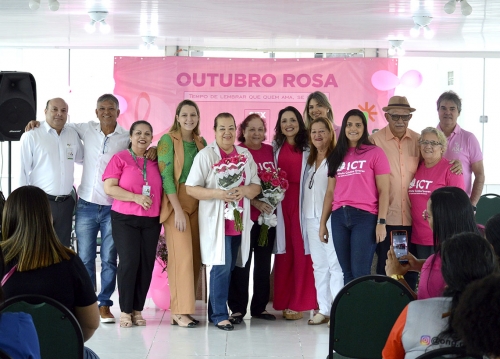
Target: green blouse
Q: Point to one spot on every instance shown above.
(165, 151)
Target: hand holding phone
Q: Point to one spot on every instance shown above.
(399, 241)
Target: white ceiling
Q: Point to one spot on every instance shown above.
(272, 25)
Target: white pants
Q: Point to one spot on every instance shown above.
(328, 277)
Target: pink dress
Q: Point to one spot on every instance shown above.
(293, 271)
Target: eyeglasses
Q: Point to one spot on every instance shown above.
(311, 181)
(426, 215)
(399, 117)
(427, 143)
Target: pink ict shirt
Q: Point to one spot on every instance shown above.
(264, 158)
(356, 185)
(463, 146)
(427, 180)
(129, 174)
(431, 283)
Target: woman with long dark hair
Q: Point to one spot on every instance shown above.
(428, 324)
(40, 264)
(294, 289)
(449, 212)
(357, 197)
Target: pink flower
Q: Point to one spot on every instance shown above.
(275, 182)
(235, 160)
(284, 184)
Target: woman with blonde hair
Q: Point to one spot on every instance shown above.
(179, 211)
(39, 264)
(317, 105)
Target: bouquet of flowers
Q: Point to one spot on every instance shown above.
(274, 184)
(162, 252)
(229, 174)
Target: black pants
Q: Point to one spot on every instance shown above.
(135, 239)
(383, 247)
(238, 287)
(62, 214)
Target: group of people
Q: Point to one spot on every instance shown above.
(347, 192)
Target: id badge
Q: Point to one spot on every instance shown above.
(146, 191)
(69, 153)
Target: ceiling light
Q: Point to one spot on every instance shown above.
(53, 5)
(451, 5)
(422, 22)
(34, 4)
(98, 17)
(396, 48)
(148, 43)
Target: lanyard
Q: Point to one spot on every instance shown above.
(144, 175)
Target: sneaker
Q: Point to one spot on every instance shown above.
(106, 316)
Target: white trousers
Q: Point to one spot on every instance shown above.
(328, 276)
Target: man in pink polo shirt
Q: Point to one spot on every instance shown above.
(462, 145)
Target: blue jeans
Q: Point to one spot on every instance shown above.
(90, 219)
(353, 232)
(220, 277)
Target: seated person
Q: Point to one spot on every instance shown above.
(477, 317)
(42, 264)
(18, 336)
(426, 325)
(444, 224)
(492, 232)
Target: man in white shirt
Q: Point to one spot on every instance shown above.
(93, 211)
(48, 154)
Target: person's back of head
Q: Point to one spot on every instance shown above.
(452, 213)
(492, 232)
(466, 257)
(477, 317)
(28, 236)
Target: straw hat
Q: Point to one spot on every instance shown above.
(398, 102)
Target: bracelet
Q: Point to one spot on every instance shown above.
(397, 276)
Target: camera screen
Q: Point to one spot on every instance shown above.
(399, 244)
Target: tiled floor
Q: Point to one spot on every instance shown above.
(254, 338)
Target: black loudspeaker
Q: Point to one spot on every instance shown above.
(17, 103)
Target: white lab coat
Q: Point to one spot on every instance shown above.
(211, 212)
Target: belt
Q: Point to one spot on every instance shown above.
(58, 198)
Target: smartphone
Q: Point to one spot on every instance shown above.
(400, 244)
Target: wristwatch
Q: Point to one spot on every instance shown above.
(381, 221)
(397, 276)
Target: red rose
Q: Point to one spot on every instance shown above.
(284, 184)
(266, 177)
(235, 160)
(275, 182)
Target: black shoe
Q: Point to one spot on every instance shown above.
(236, 319)
(225, 327)
(195, 321)
(265, 316)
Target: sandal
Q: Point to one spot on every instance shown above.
(318, 319)
(177, 319)
(293, 315)
(137, 319)
(125, 320)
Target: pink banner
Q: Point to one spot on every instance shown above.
(149, 88)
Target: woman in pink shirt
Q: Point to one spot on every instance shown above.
(251, 134)
(135, 185)
(433, 172)
(357, 197)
